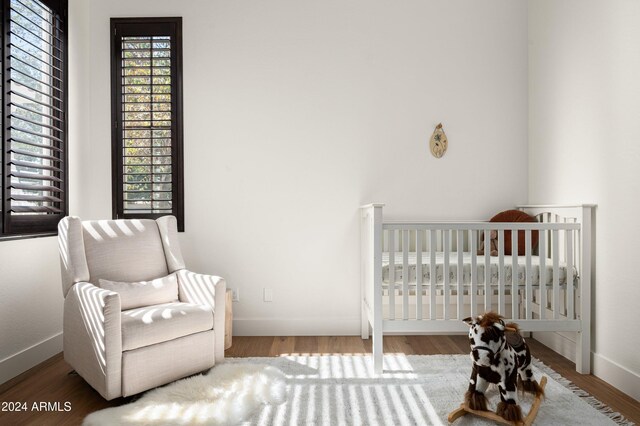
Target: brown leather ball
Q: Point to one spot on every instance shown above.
(516, 216)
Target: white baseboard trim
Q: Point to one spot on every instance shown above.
(616, 375)
(558, 343)
(17, 364)
(611, 372)
(296, 326)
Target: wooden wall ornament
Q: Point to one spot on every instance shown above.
(439, 142)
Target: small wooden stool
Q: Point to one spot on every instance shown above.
(528, 421)
(228, 319)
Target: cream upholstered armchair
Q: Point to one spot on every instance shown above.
(134, 317)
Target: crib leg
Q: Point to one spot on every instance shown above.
(377, 350)
(583, 352)
(364, 321)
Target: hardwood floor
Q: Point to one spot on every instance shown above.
(51, 381)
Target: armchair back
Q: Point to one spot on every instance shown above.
(117, 250)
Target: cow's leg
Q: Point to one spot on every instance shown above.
(474, 397)
(508, 407)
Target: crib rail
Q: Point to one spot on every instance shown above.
(494, 282)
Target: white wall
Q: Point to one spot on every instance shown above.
(30, 304)
(584, 110)
(297, 112)
(30, 292)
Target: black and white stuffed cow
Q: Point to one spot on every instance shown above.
(501, 356)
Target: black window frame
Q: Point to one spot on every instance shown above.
(152, 26)
(18, 226)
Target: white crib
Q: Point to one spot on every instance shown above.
(549, 291)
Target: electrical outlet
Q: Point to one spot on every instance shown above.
(268, 295)
(235, 294)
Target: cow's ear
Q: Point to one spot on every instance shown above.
(468, 320)
(499, 325)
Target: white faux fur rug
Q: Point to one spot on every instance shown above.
(341, 390)
(226, 395)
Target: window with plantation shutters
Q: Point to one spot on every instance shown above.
(147, 118)
(34, 178)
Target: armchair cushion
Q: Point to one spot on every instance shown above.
(160, 323)
(144, 293)
(123, 250)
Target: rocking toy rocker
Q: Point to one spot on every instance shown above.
(500, 356)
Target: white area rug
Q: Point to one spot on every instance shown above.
(342, 390)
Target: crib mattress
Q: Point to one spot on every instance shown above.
(466, 274)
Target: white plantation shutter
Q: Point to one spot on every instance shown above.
(146, 96)
(34, 139)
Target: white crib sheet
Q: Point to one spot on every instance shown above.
(466, 258)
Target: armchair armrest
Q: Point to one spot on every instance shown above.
(206, 290)
(92, 337)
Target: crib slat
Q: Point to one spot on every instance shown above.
(392, 275)
(487, 270)
(474, 273)
(570, 306)
(501, 291)
(405, 274)
(514, 276)
(419, 277)
(542, 284)
(432, 275)
(528, 272)
(446, 271)
(556, 275)
(460, 274)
